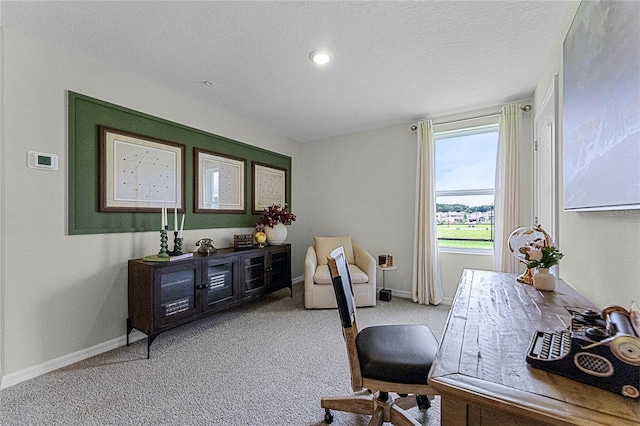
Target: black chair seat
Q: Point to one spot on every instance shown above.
(401, 353)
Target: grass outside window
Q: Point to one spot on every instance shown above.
(478, 236)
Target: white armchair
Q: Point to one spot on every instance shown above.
(318, 288)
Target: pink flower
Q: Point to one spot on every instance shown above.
(535, 254)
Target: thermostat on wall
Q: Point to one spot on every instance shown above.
(42, 160)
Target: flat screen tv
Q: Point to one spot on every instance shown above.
(601, 96)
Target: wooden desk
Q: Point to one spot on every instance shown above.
(481, 372)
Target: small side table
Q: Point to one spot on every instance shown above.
(385, 295)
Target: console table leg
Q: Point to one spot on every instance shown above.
(129, 328)
(150, 339)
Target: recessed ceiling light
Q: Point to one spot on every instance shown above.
(321, 57)
(208, 83)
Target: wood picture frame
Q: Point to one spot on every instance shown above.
(268, 187)
(140, 173)
(219, 182)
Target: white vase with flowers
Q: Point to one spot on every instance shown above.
(542, 255)
(273, 221)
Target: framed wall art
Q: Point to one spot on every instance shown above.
(96, 205)
(219, 183)
(601, 108)
(269, 186)
(139, 173)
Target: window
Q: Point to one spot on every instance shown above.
(465, 167)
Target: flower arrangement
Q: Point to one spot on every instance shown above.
(273, 215)
(541, 253)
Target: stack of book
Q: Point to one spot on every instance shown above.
(157, 258)
(243, 241)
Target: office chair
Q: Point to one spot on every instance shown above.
(382, 359)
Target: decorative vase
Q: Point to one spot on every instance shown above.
(276, 235)
(543, 280)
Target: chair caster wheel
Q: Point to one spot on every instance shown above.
(423, 402)
(328, 417)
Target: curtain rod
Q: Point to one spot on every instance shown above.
(525, 108)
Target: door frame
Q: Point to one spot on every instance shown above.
(550, 101)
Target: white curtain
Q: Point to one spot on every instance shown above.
(427, 286)
(507, 191)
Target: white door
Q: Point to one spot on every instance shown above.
(545, 170)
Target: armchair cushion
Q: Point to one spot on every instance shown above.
(322, 275)
(325, 245)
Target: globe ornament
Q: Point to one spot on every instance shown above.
(261, 238)
(520, 239)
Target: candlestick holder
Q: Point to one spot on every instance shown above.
(163, 244)
(175, 235)
(177, 246)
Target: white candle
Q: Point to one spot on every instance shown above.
(164, 215)
(175, 218)
(161, 217)
(181, 227)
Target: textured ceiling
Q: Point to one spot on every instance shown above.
(394, 62)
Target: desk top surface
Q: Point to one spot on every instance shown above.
(483, 351)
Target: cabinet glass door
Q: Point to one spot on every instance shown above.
(253, 269)
(279, 267)
(177, 294)
(219, 281)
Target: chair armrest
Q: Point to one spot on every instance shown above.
(365, 261)
(310, 265)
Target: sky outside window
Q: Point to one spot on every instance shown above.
(465, 163)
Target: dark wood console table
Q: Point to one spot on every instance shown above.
(480, 369)
(164, 295)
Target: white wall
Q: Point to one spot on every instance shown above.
(363, 185)
(601, 248)
(65, 293)
(2, 204)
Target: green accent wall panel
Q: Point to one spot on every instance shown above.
(87, 114)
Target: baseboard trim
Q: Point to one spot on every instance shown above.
(65, 360)
(408, 295)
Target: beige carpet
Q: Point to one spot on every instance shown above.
(266, 363)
